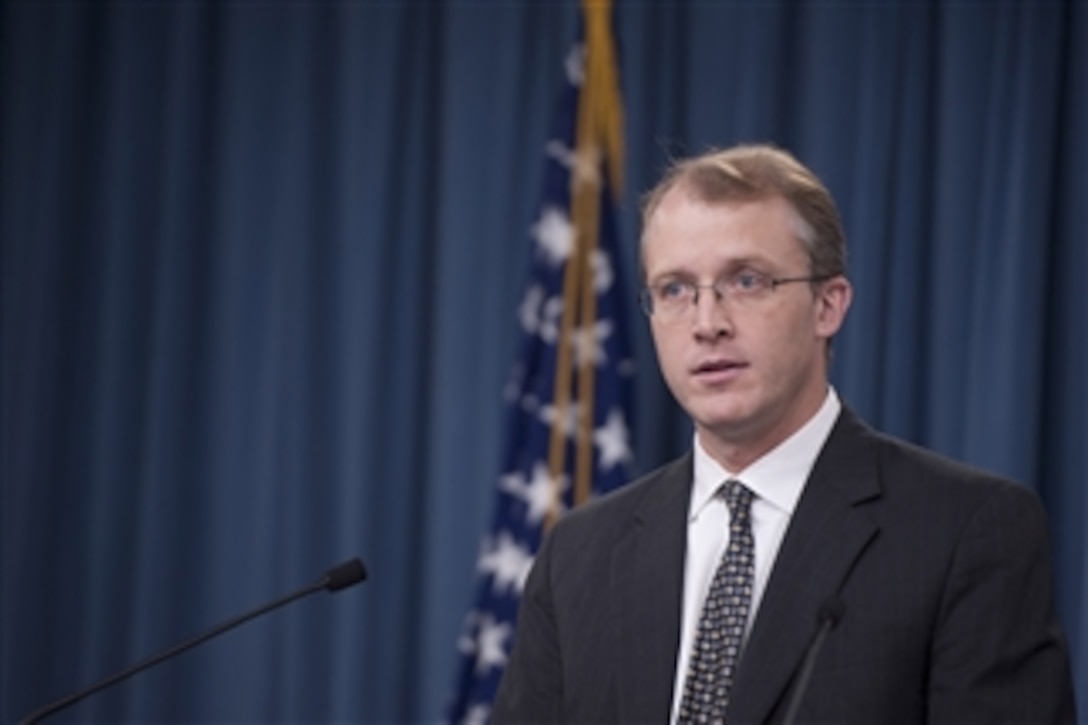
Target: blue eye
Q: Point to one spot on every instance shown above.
(746, 280)
(672, 290)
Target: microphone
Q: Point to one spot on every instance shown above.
(828, 616)
(339, 577)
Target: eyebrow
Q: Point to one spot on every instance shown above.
(760, 264)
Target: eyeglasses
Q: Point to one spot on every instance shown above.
(673, 298)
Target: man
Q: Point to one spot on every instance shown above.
(920, 588)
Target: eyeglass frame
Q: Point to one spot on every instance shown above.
(646, 301)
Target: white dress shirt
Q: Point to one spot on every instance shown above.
(777, 480)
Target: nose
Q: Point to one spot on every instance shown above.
(713, 319)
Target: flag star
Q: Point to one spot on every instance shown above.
(466, 643)
(589, 342)
(602, 271)
(549, 414)
(512, 482)
(540, 494)
(529, 310)
(478, 714)
(575, 65)
(514, 382)
(585, 165)
(611, 440)
(507, 563)
(554, 235)
(491, 644)
(549, 323)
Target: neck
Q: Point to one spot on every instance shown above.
(736, 450)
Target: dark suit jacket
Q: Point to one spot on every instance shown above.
(943, 572)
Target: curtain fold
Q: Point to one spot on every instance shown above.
(261, 265)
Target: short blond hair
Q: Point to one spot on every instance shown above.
(752, 172)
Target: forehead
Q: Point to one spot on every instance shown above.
(686, 234)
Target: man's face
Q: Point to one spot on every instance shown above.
(748, 371)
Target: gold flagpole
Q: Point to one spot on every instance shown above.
(599, 142)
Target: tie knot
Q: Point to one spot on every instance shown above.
(738, 497)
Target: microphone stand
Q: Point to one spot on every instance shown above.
(341, 576)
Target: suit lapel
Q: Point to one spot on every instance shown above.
(825, 538)
(647, 587)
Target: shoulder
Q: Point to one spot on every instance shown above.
(938, 484)
(901, 460)
(905, 463)
(610, 517)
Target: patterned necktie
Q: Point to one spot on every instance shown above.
(725, 614)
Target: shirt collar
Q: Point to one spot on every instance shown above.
(777, 477)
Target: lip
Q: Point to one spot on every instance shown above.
(718, 371)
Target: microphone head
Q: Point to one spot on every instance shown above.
(345, 575)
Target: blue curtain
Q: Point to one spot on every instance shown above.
(261, 263)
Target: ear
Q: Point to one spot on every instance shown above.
(832, 302)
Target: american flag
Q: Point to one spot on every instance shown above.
(569, 395)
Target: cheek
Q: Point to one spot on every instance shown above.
(669, 345)
(780, 339)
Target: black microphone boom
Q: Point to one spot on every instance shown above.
(339, 577)
(829, 615)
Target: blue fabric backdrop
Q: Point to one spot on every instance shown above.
(260, 271)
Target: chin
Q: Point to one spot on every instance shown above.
(722, 420)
